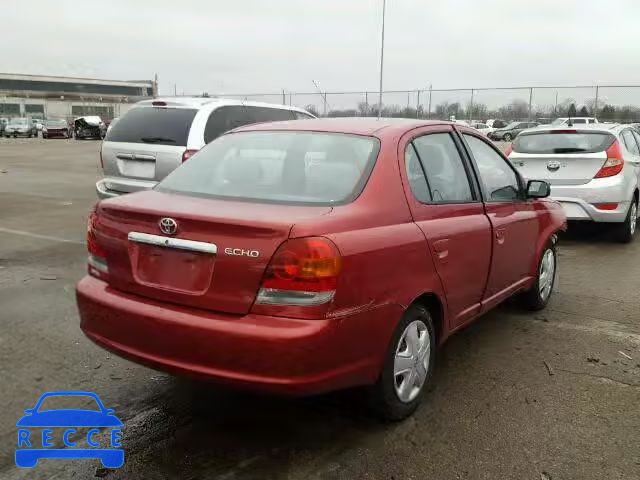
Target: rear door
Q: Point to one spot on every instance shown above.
(446, 206)
(631, 140)
(146, 144)
(515, 223)
(561, 157)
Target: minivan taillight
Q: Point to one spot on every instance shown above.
(97, 256)
(614, 163)
(188, 154)
(302, 272)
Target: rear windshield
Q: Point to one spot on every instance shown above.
(18, 121)
(161, 126)
(55, 123)
(561, 142)
(278, 167)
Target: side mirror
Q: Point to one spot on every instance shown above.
(538, 189)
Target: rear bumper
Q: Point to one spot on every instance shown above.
(578, 200)
(274, 354)
(112, 187)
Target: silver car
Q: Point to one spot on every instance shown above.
(156, 136)
(20, 127)
(594, 171)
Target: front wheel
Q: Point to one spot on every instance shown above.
(408, 366)
(538, 296)
(507, 137)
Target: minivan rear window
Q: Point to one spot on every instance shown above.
(298, 168)
(561, 141)
(160, 126)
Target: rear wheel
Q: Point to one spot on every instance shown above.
(625, 232)
(507, 137)
(538, 296)
(408, 366)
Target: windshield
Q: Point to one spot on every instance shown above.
(163, 126)
(18, 121)
(278, 167)
(55, 123)
(562, 142)
(512, 125)
(60, 402)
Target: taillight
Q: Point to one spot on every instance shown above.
(97, 256)
(614, 163)
(188, 154)
(302, 272)
(508, 150)
(606, 206)
(159, 104)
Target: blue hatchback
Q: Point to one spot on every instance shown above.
(28, 457)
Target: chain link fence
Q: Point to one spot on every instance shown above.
(620, 103)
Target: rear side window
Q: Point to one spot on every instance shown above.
(560, 141)
(298, 168)
(162, 126)
(229, 117)
(630, 142)
(301, 116)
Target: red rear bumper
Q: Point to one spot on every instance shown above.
(276, 354)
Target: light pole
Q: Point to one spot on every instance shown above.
(384, 7)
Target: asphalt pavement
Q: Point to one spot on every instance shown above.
(551, 395)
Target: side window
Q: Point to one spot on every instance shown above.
(301, 116)
(446, 176)
(498, 178)
(415, 175)
(636, 135)
(224, 119)
(630, 142)
(578, 120)
(265, 114)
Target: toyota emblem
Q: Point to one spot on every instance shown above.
(168, 226)
(553, 165)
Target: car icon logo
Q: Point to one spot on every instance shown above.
(36, 429)
(168, 226)
(553, 166)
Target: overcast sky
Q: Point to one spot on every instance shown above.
(242, 46)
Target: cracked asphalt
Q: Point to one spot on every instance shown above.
(552, 395)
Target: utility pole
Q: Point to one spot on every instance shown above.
(418, 104)
(595, 105)
(470, 106)
(555, 109)
(322, 95)
(530, 100)
(175, 90)
(430, 91)
(384, 8)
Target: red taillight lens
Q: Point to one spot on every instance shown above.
(614, 163)
(159, 104)
(508, 150)
(303, 272)
(97, 256)
(606, 206)
(188, 154)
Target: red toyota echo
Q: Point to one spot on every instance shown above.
(313, 255)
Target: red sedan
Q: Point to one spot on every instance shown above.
(56, 129)
(306, 256)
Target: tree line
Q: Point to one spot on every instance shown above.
(515, 110)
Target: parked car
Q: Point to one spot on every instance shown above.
(497, 123)
(156, 136)
(20, 127)
(56, 129)
(38, 122)
(570, 121)
(594, 171)
(89, 127)
(315, 255)
(511, 131)
(3, 124)
(483, 128)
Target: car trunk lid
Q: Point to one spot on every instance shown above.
(216, 258)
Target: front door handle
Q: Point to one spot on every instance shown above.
(442, 249)
(500, 233)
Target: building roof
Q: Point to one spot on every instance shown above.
(96, 81)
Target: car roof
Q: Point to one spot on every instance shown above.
(353, 125)
(211, 102)
(593, 127)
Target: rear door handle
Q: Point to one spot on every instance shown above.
(500, 233)
(442, 249)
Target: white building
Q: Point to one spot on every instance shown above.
(64, 97)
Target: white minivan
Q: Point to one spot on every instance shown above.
(156, 136)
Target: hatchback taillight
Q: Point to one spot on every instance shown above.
(97, 256)
(614, 163)
(303, 272)
(188, 154)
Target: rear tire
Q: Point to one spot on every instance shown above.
(537, 297)
(507, 137)
(407, 367)
(625, 232)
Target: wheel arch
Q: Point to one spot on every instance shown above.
(433, 303)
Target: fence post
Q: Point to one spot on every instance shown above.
(595, 105)
(418, 104)
(430, 91)
(470, 113)
(366, 102)
(324, 108)
(530, 100)
(284, 98)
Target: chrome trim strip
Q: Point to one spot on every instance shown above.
(168, 242)
(144, 158)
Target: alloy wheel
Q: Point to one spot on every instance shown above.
(546, 274)
(633, 218)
